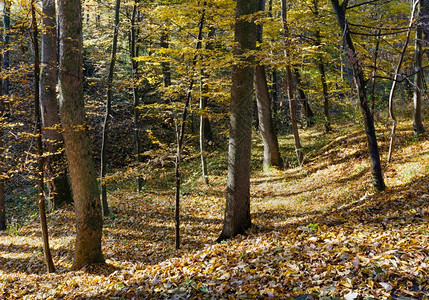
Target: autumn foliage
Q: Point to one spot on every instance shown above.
(173, 81)
(317, 230)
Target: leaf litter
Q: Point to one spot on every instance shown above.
(318, 233)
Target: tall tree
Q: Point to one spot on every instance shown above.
(266, 127)
(205, 128)
(4, 92)
(134, 52)
(308, 113)
(395, 80)
(181, 133)
(55, 164)
(374, 71)
(289, 84)
(374, 154)
(2, 158)
(40, 178)
(2, 178)
(103, 163)
(6, 45)
(237, 210)
(202, 138)
(322, 71)
(166, 70)
(89, 219)
(423, 6)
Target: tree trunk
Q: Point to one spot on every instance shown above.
(425, 20)
(89, 220)
(274, 93)
(273, 73)
(136, 99)
(395, 80)
(321, 67)
(374, 71)
(206, 134)
(180, 134)
(272, 155)
(55, 164)
(418, 78)
(2, 158)
(2, 181)
(203, 120)
(6, 42)
(308, 113)
(289, 86)
(269, 137)
(237, 210)
(40, 161)
(4, 91)
(103, 162)
(165, 66)
(377, 176)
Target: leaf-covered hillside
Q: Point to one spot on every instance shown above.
(317, 230)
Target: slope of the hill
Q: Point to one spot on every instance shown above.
(317, 230)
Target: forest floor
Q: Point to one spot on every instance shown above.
(318, 230)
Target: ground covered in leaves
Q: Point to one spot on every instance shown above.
(318, 230)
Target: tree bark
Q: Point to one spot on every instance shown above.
(165, 66)
(272, 155)
(237, 211)
(377, 176)
(40, 161)
(2, 142)
(266, 128)
(289, 86)
(374, 71)
(425, 21)
(322, 72)
(321, 66)
(136, 96)
(418, 68)
(273, 75)
(308, 113)
(206, 134)
(6, 45)
(203, 120)
(274, 94)
(180, 134)
(395, 80)
(2, 180)
(105, 135)
(55, 164)
(89, 221)
(4, 91)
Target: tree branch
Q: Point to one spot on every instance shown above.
(367, 2)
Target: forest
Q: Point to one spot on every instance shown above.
(214, 149)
